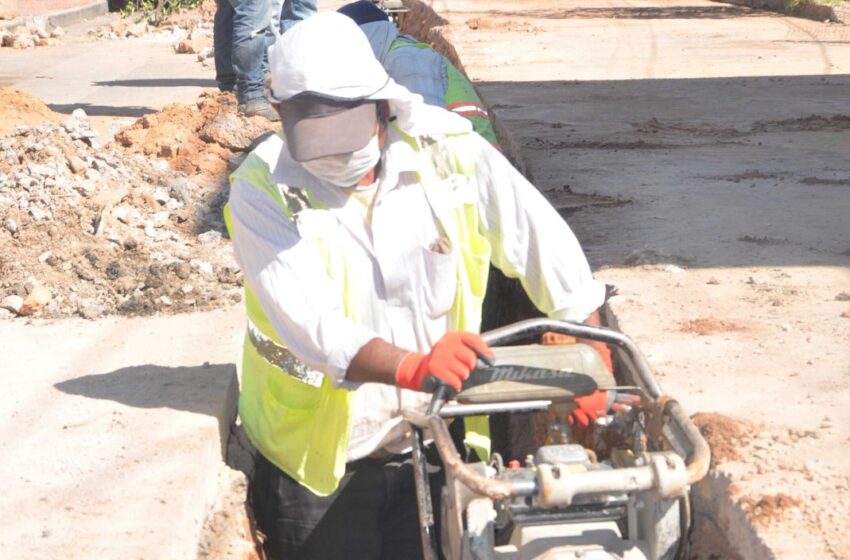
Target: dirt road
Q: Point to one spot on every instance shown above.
(700, 150)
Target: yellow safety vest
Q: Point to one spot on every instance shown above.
(460, 96)
(293, 415)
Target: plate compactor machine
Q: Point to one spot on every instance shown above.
(618, 489)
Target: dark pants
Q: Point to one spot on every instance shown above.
(372, 515)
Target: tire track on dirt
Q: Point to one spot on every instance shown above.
(613, 58)
(827, 62)
(652, 58)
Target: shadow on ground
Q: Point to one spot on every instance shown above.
(202, 389)
(641, 12)
(159, 82)
(101, 110)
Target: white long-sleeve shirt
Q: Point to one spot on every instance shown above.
(402, 288)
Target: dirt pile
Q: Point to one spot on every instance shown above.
(768, 509)
(725, 436)
(195, 140)
(21, 108)
(90, 231)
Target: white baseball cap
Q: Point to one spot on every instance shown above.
(326, 80)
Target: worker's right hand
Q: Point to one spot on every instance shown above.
(588, 409)
(451, 360)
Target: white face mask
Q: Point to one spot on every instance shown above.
(346, 170)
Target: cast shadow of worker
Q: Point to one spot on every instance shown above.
(210, 389)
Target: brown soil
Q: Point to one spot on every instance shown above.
(21, 108)
(180, 135)
(725, 436)
(708, 325)
(767, 509)
(229, 532)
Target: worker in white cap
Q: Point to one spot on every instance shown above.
(365, 232)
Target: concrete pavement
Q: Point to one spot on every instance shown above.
(112, 433)
(112, 80)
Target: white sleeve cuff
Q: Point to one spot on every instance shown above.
(341, 354)
(578, 307)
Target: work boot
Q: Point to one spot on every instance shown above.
(258, 106)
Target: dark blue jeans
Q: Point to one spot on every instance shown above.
(240, 37)
(242, 33)
(294, 11)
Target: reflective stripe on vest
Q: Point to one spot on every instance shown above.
(460, 96)
(292, 414)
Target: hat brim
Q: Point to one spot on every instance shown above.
(316, 129)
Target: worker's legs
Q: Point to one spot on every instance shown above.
(225, 77)
(294, 11)
(372, 516)
(250, 40)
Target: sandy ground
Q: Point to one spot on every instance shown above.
(113, 432)
(699, 150)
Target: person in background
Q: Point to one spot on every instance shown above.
(420, 68)
(242, 33)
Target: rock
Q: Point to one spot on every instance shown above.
(13, 303)
(192, 46)
(119, 28)
(843, 296)
(161, 195)
(206, 53)
(57, 33)
(209, 237)
(229, 130)
(845, 314)
(672, 268)
(79, 128)
(38, 298)
(39, 26)
(44, 256)
(182, 270)
(38, 214)
(90, 309)
(8, 39)
(127, 215)
(201, 266)
(165, 300)
(9, 9)
(23, 41)
(161, 218)
(41, 170)
(200, 33)
(180, 188)
(187, 289)
(11, 225)
(76, 164)
(136, 30)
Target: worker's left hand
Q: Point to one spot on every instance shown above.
(588, 409)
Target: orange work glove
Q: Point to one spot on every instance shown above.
(588, 408)
(450, 360)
